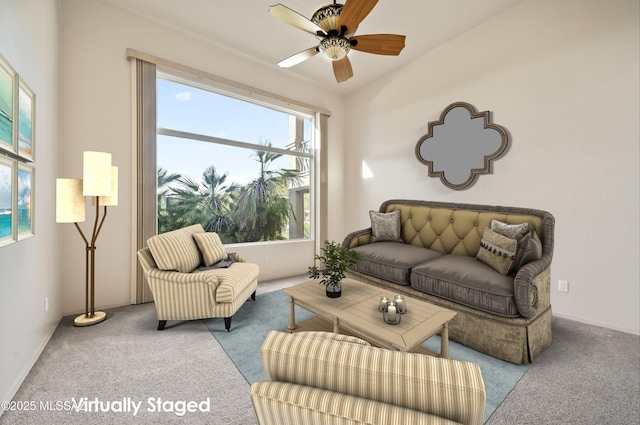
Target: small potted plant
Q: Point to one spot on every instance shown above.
(335, 259)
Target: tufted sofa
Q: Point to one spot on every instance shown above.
(437, 259)
(327, 378)
(191, 276)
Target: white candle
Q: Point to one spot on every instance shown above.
(391, 313)
(383, 303)
(402, 307)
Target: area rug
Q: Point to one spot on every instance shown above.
(269, 311)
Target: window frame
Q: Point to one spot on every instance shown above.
(144, 67)
(259, 100)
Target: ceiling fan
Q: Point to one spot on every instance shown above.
(335, 25)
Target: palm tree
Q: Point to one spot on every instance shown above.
(209, 203)
(263, 208)
(164, 180)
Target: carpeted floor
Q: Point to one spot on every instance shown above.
(590, 375)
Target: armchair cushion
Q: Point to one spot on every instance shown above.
(233, 280)
(211, 247)
(176, 250)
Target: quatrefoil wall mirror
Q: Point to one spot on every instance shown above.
(461, 145)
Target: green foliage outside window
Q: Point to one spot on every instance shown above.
(257, 211)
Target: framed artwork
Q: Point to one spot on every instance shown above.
(7, 191)
(7, 97)
(26, 117)
(25, 200)
(17, 153)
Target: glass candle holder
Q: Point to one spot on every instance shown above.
(401, 303)
(391, 315)
(383, 303)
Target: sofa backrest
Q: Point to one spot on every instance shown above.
(452, 228)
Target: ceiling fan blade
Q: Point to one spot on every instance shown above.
(353, 12)
(292, 17)
(342, 69)
(298, 57)
(379, 44)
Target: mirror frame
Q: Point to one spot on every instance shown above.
(473, 172)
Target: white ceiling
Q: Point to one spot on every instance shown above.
(246, 27)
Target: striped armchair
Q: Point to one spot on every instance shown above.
(326, 378)
(183, 270)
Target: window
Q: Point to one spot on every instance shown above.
(240, 168)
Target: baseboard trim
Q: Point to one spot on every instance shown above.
(595, 323)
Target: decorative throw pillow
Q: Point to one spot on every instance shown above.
(513, 231)
(385, 226)
(175, 250)
(497, 251)
(211, 247)
(529, 249)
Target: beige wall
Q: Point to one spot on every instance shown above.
(562, 77)
(29, 269)
(96, 115)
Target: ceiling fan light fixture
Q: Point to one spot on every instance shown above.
(335, 25)
(334, 48)
(327, 17)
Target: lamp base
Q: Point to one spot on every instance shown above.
(83, 320)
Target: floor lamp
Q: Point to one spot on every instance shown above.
(100, 183)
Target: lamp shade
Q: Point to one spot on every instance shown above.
(112, 200)
(70, 202)
(96, 174)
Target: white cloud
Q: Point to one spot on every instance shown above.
(184, 96)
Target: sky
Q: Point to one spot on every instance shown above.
(193, 110)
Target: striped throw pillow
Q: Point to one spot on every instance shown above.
(175, 250)
(211, 247)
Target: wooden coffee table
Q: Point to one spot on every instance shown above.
(356, 312)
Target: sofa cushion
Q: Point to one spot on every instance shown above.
(176, 250)
(211, 247)
(385, 226)
(497, 251)
(466, 281)
(392, 260)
